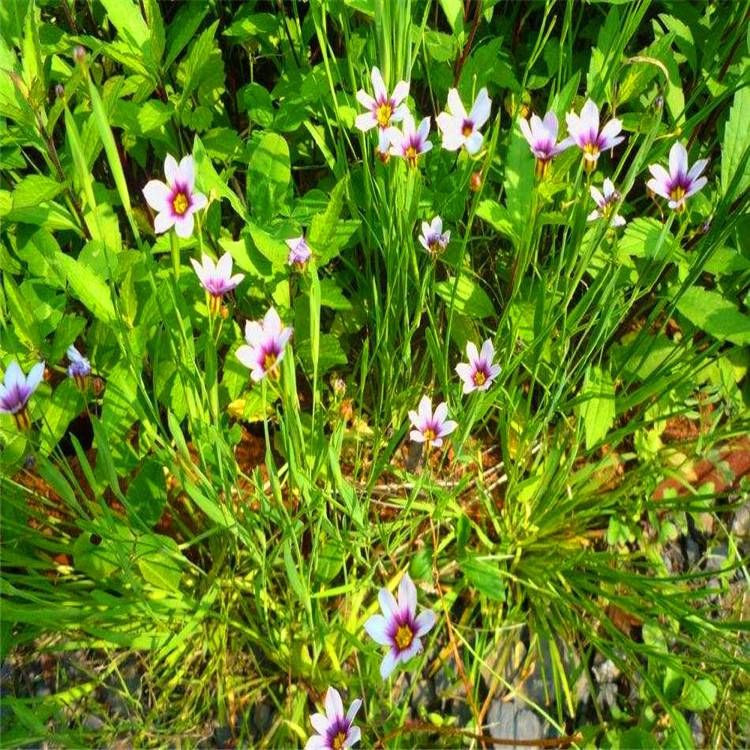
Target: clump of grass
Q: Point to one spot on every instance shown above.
(425, 337)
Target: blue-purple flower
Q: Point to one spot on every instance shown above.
(584, 130)
(176, 200)
(299, 251)
(430, 427)
(605, 202)
(461, 129)
(266, 345)
(399, 627)
(411, 141)
(79, 367)
(541, 136)
(382, 109)
(433, 239)
(216, 278)
(680, 182)
(335, 730)
(479, 372)
(16, 390)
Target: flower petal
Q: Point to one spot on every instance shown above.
(441, 412)
(366, 121)
(224, 266)
(551, 125)
(334, 705)
(447, 427)
(157, 195)
(474, 143)
(590, 116)
(378, 85)
(400, 92)
(523, 123)
(387, 603)
(171, 169)
(425, 622)
(455, 105)
(198, 270)
(14, 376)
(36, 373)
(425, 408)
(407, 595)
(389, 663)
(187, 171)
(352, 712)
(353, 736)
(316, 742)
(199, 201)
(488, 351)
(163, 222)
(696, 186)
(246, 354)
(678, 160)
(320, 723)
(184, 225)
(480, 112)
(365, 99)
(377, 628)
(465, 371)
(697, 168)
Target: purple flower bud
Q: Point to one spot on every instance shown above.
(59, 91)
(79, 55)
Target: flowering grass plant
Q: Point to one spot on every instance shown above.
(303, 397)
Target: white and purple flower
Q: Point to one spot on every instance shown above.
(399, 627)
(605, 203)
(382, 110)
(299, 251)
(479, 372)
(430, 427)
(266, 345)
(680, 182)
(410, 142)
(584, 130)
(433, 239)
(16, 390)
(175, 201)
(79, 368)
(461, 129)
(216, 278)
(542, 139)
(335, 730)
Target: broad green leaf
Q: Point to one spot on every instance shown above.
(698, 695)
(158, 558)
(714, 314)
(470, 298)
(497, 216)
(597, 409)
(268, 177)
(147, 492)
(126, 17)
(734, 152)
(484, 576)
(209, 180)
(519, 181)
(35, 189)
(647, 238)
(87, 287)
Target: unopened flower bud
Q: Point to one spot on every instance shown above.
(79, 54)
(347, 410)
(339, 386)
(476, 182)
(659, 103)
(59, 91)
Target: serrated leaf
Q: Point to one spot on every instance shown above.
(470, 298)
(714, 314)
(268, 177)
(597, 409)
(734, 156)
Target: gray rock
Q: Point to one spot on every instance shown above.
(741, 522)
(514, 720)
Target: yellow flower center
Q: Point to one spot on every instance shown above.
(467, 129)
(411, 155)
(269, 362)
(404, 637)
(479, 378)
(383, 114)
(338, 741)
(429, 435)
(591, 148)
(180, 203)
(677, 193)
